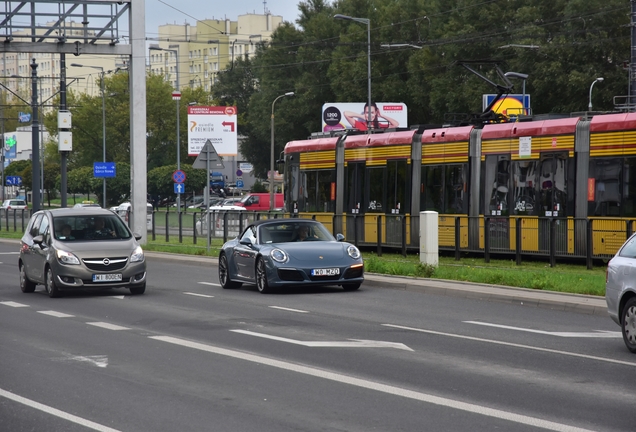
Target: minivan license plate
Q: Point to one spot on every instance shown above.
(112, 277)
(325, 272)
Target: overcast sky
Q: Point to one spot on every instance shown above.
(159, 12)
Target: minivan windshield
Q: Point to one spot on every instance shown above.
(90, 227)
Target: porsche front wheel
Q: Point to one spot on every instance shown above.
(261, 277)
(224, 274)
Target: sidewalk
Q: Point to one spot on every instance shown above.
(585, 304)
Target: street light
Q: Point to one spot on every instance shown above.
(366, 21)
(102, 74)
(176, 53)
(599, 79)
(271, 165)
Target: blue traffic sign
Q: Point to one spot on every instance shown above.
(239, 184)
(179, 188)
(104, 169)
(13, 181)
(179, 176)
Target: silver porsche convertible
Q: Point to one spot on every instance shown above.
(278, 253)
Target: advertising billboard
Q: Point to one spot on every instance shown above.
(215, 123)
(353, 115)
(510, 105)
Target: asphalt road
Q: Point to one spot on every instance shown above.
(189, 356)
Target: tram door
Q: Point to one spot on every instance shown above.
(552, 184)
(354, 201)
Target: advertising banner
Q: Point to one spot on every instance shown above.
(353, 115)
(217, 124)
(511, 105)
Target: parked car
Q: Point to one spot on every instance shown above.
(620, 291)
(123, 209)
(79, 248)
(86, 204)
(260, 201)
(275, 253)
(15, 204)
(193, 200)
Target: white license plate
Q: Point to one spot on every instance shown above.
(325, 272)
(113, 277)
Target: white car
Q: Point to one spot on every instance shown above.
(15, 204)
(217, 219)
(123, 208)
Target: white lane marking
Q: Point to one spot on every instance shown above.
(198, 295)
(107, 326)
(56, 412)
(289, 309)
(608, 360)
(13, 304)
(209, 283)
(352, 343)
(56, 314)
(597, 334)
(97, 360)
(384, 388)
(9, 253)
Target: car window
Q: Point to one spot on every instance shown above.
(629, 250)
(44, 228)
(35, 226)
(249, 234)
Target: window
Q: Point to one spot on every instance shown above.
(611, 185)
(524, 183)
(354, 187)
(444, 188)
(316, 191)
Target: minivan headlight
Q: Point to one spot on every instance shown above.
(137, 255)
(353, 252)
(67, 257)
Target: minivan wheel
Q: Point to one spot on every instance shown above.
(51, 287)
(138, 289)
(628, 324)
(25, 284)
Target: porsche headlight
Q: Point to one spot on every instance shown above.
(278, 255)
(137, 255)
(67, 257)
(353, 252)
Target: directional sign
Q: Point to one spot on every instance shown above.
(354, 343)
(13, 181)
(179, 176)
(179, 188)
(104, 169)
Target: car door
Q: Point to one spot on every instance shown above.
(245, 255)
(41, 252)
(27, 252)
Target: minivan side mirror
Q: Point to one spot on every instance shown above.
(137, 236)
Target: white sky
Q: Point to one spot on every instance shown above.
(159, 12)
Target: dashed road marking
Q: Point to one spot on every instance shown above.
(56, 314)
(107, 326)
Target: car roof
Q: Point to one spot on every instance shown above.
(80, 211)
(290, 221)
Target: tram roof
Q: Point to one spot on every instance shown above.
(560, 126)
(380, 139)
(446, 134)
(612, 122)
(311, 145)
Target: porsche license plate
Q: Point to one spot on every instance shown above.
(325, 272)
(111, 277)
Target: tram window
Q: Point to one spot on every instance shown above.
(606, 175)
(629, 187)
(376, 189)
(497, 184)
(354, 191)
(398, 175)
(524, 182)
(316, 195)
(432, 199)
(455, 201)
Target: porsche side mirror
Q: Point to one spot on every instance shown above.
(340, 237)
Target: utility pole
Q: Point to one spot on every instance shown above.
(63, 154)
(35, 142)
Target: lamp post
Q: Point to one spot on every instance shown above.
(102, 74)
(176, 53)
(271, 165)
(599, 79)
(366, 21)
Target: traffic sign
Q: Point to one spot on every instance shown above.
(239, 172)
(104, 169)
(239, 184)
(176, 95)
(13, 180)
(179, 176)
(179, 188)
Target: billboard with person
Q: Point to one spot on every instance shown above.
(354, 115)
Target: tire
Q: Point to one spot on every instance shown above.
(261, 277)
(49, 284)
(628, 324)
(138, 289)
(224, 274)
(351, 286)
(25, 284)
